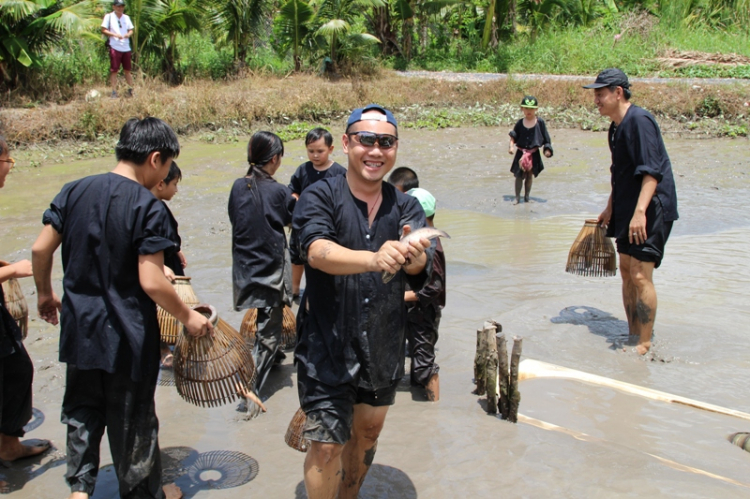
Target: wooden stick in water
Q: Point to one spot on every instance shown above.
(491, 367)
(480, 364)
(503, 374)
(514, 394)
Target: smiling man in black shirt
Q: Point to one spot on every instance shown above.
(643, 201)
(350, 352)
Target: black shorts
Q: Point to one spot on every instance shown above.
(657, 232)
(330, 409)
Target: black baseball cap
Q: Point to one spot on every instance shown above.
(117, 3)
(357, 115)
(530, 102)
(611, 77)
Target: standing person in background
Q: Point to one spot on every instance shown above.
(16, 369)
(118, 27)
(260, 209)
(643, 202)
(114, 234)
(319, 145)
(527, 137)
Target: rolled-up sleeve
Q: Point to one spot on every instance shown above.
(153, 230)
(645, 150)
(55, 215)
(313, 217)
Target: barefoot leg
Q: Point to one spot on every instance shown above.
(432, 389)
(11, 448)
(172, 491)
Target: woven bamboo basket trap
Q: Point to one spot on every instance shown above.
(213, 371)
(592, 253)
(169, 326)
(15, 302)
(293, 437)
(288, 327)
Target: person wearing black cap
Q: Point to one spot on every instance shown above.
(350, 347)
(643, 201)
(527, 137)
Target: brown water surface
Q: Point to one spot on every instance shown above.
(507, 263)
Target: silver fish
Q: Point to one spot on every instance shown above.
(423, 233)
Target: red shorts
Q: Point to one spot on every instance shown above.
(117, 58)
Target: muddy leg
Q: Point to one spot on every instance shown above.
(529, 180)
(432, 389)
(519, 183)
(629, 294)
(323, 470)
(641, 274)
(359, 452)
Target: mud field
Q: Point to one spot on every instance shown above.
(505, 263)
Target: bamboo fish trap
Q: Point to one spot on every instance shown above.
(293, 437)
(288, 327)
(169, 326)
(210, 372)
(592, 253)
(15, 302)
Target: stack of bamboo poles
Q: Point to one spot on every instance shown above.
(492, 373)
(15, 302)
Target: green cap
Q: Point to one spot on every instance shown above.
(530, 102)
(426, 199)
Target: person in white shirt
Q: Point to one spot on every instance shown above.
(118, 27)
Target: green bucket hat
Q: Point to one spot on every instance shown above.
(530, 102)
(426, 199)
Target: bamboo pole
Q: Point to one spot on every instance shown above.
(536, 369)
(491, 367)
(480, 364)
(503, 374)
(514, 394)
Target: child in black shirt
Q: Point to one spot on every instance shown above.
(319, 144)
(260, 209)
(527, 137)
(114, 234)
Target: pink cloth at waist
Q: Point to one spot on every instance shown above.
(526, 162)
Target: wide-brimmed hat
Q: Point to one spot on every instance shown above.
(530, 102)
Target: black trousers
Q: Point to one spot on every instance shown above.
(267, 342)
(422, 332)
(16, 375)
(95, 399)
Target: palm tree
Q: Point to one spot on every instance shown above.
(336, 18)
(239, 22)
(161, 22)
(28, 28)
(292, 26)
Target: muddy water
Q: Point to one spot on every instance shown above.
(506, 263)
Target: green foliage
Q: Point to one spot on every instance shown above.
(292, 27)
(29, 28)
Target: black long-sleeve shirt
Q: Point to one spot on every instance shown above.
(306, 175)
(637, 149)
(351, 327)
(259, 209)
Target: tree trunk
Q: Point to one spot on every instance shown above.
(488, 23)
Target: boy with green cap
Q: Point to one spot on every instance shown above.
(527, 137)
(423, 312)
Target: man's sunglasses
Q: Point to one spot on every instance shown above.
(369, 139)
(9, 160)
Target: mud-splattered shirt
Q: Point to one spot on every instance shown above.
(259, 209)
(351, 327)
(637, 148)
(107, 320)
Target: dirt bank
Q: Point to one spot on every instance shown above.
(221, 111)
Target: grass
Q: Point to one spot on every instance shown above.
(231, 110)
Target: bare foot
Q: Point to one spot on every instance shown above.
(432, 390)
(518, 200)
(172, 491)
(12, 449)
(78, 495)
(643, 348)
